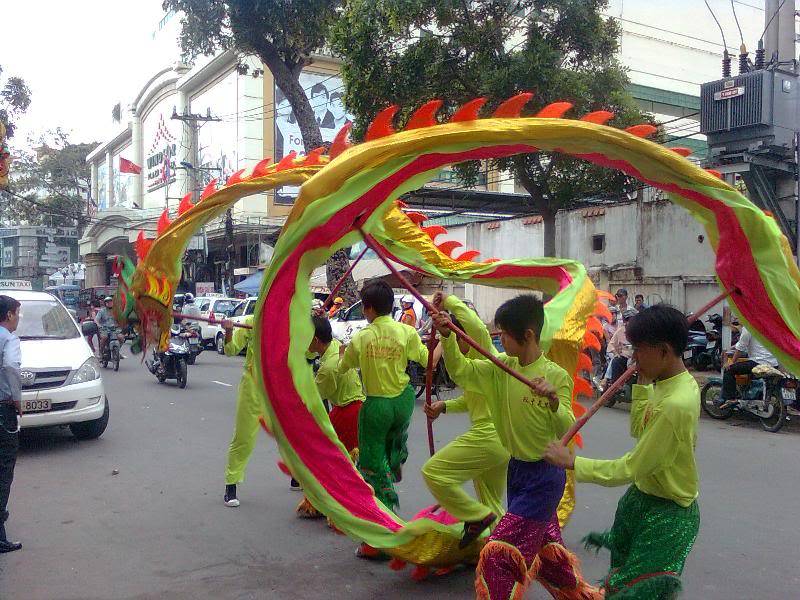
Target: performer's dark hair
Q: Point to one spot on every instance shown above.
(659, 324)
(378, 296)
(7, 305)
(322, 329)
(524, 312)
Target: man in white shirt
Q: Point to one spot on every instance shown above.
(757, 354)
(10, 398)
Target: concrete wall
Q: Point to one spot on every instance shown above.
(651, 247)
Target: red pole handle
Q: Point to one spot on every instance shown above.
(326, 305)
(370, 241)
(212, 321)
(429, 386)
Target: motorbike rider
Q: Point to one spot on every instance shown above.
(107, 324)
(338, 302)
(620, 347)
(757, 354)
(408, 316)
(190, 309)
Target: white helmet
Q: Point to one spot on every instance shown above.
(407, 299)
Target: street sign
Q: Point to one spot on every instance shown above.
(15, 284)
(729, 93)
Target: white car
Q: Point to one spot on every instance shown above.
(221, 308)
(351, 320)
(61, 382)
(244, 308)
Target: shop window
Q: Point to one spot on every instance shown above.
(599, 243)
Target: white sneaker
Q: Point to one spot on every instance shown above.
(232, 502)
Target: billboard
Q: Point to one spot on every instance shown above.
(325, 93)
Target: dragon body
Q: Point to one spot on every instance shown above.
(354, 189)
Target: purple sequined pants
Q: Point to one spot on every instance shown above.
(535, 489)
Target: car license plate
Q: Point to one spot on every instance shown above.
(789, 394)
(29, 406)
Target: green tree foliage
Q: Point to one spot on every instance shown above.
(410, 51)
(15, 98)
(50, 184)
(283, 34)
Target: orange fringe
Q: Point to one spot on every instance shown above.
(555, 552)
(305, 510)
(524, 575)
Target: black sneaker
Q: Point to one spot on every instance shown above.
(230, 495)
(294, 485)
(473, 529)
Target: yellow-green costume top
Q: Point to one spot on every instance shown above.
(664, 419)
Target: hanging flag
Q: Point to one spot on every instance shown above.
(127, 166)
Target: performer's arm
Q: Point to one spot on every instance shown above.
(456, 405)
(239, 340)
(415, 349)
(656, 449)
(563, 417)
(326, 381)
(473, 375)
(349, 359)
(471, 322)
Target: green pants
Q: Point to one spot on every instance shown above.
(245, 433)
(382, 436)
(475, 455)
(649, 542)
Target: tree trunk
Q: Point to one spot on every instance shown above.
(549, 223)
(288, 79)
(541, 204)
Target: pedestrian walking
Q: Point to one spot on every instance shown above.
(10, 398)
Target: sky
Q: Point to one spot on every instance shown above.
(79, 58)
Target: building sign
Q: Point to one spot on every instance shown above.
(325, 93)
(161, 167)
(160, 144)
(729, 93)
(203, 288)
(15, 284)
(63, 232)
(123, 182)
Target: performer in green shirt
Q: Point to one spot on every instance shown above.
(382, 351)
(526, 544)
(477, 454)
(657, 519)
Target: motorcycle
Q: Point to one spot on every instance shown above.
(624, 394)
(110, 350)
(767, 393)
(695, 355)
(172, 364)
(195, 341)
(712, 357)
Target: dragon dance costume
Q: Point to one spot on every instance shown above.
(248, 408)
(382, 351)
(475, 455)
(526, 544)
(657, 520)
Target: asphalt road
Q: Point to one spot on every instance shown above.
(158, 528)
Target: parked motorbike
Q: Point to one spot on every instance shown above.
(624, 394)
(695, 356)
(767, 393)
(172, 364)
(109, 352)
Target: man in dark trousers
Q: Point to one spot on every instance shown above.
(10, 397)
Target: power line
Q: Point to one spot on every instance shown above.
(736, 18)
(722, 33)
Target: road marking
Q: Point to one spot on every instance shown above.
(222, 383)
